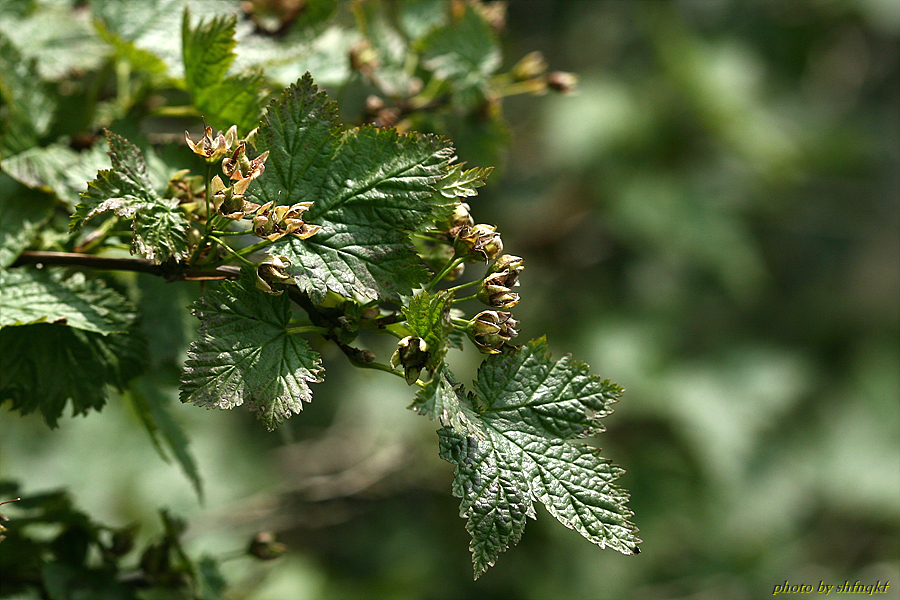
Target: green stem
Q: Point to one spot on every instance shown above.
(461, 323)
(207, 182)
(452, 264)
(307, 329)
(245, 232)
(254, 247)
(463, 286)
(466, 299)
(231, 251)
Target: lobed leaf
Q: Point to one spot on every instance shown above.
(441, 399)
(370, 187)
(245, 355)
(160, 230)
(44, 366)
(528, 409)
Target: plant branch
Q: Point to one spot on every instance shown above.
(171, 271)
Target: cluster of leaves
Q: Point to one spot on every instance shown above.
(84, 559)
(353, 229)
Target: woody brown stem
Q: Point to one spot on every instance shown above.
(171, 271)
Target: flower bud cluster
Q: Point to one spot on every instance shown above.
(269, 221)
(503, 275)
(276, 221)
(412, 355)
(272, 275)
(491, 330)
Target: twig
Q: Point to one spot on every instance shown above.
(171, 271)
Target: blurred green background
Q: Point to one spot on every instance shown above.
(712, 221)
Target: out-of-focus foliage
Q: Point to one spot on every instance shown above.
(712, 220)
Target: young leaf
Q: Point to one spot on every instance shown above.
(371, 188)
(30, 296)
(464, 52)
(244, 354)
(529, 408)
(208, 51)
(428, 318)
(440, 399)
(46, 365)
(160, 230)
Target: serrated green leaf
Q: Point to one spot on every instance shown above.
(428, 318)
(57, 169)
(150, 398)
(208, 53)
(459, 183)
(371, 188)
(245, 355)
(29, 296)
(464, 52)
(160, 230)
(494, 500)
(44, 366)
(530, 407)
(22, 213)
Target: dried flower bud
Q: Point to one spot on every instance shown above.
(562, 82)
(412, 355)
(229, 201)
(239, 166)
(273, 222)
(480, 242)
(461, 217)
(272, 275)
(503, 275)
(212, 148)
(530, 66)
(491, 330)
(265, 547)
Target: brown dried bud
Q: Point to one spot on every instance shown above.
(229, 201)
(412, 355)
(480, 242)
(239, 166)
(273, 222)
(272, 275)
(562, 82)
(491, 330)
(530, 66)
(265, 547)
(212, 148)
